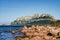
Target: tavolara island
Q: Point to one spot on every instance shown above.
(36, 19)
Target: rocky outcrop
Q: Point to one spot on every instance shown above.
(40, 33)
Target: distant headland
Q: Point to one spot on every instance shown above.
(36, 19)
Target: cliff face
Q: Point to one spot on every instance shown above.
(36, 19)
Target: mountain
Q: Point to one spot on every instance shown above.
(36, 19)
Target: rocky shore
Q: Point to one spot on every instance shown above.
(39, 33)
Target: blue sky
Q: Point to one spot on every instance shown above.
(12, 9)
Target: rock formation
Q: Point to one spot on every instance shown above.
(40, 33)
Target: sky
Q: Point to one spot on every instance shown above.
(12, 9)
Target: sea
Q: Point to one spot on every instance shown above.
(5, 33)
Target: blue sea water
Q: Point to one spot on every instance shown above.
(8, 35)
